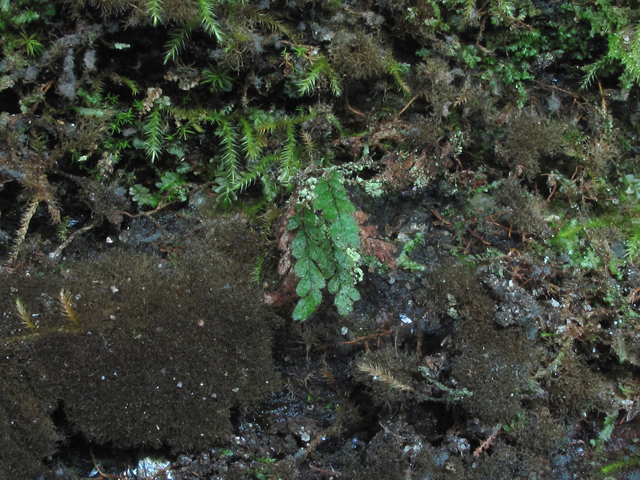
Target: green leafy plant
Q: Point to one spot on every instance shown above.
(403, 260)
(171, 187)
(31, 44)
(206, 18)
(218, 80)
(325, 246)
(616, 24)
(244, 158)
(319, 72)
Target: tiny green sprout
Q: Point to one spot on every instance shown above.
(31, 43)
(218, 80)
(300, 50)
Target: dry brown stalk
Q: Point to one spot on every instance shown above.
(24, 226)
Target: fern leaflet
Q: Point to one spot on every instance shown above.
(178, 41)
(210, 20)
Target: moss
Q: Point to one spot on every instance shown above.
(507, 462)
(529, 138)
(540, 433)
(574, 389)
(27, 433)
(164, 351)
(358, 56)
(397, 452)
(455, 280)
(526, 208)
(496, 365)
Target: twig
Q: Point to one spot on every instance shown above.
(56, 253)
(488, 442)
(407, 106)
(326, 472)
(346, 98)
(95, 464)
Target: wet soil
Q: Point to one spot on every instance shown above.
(439, 372)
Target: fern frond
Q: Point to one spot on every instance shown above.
(153, 130)
(66, 307)
(230, 155)
(24, 315)
(396, 70)
(320, 71)
(178, 41)
(154, 10)
(254, 173)
(251, 142)
(210, 19)
(133, 86)
(267, 21)
(289, 158)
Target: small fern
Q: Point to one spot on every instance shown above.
(155, 11)
(210, 20)
(178, 41)
(325, 247)
(320, 73)
(153, 129)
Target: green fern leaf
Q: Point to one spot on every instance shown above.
(320, 71)
(289, 157)
(154, 10)
(321, 257)
(251, 143)
(153, 129)
(178, 41)
(210, 19)
(230, 161)
(336, 208)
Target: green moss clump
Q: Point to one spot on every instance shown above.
(531, 137)
(358, 56)
(164, 349)
(526, 208)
